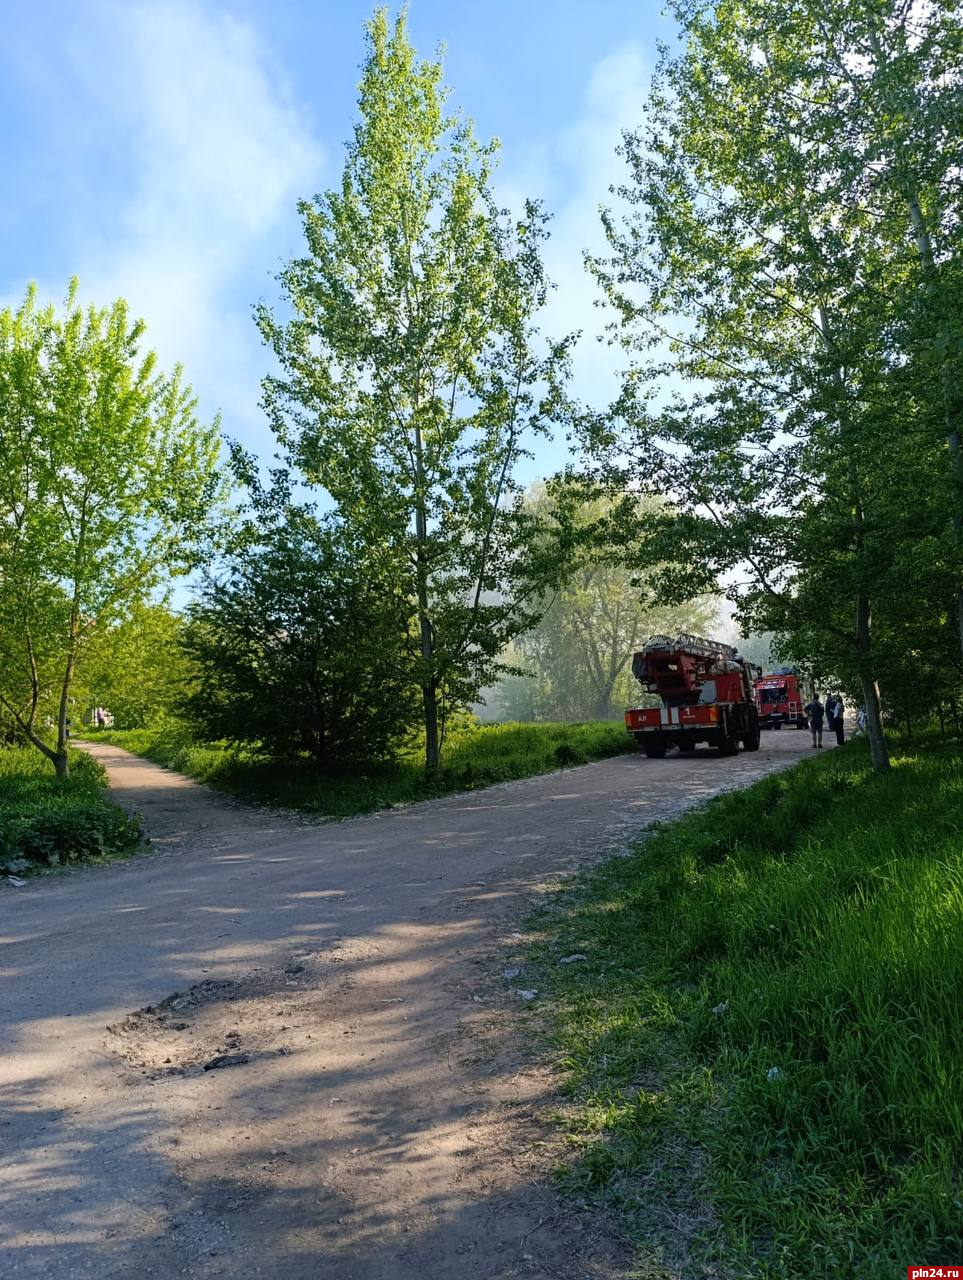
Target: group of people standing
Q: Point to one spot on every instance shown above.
(831, 714)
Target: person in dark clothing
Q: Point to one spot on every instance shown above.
(834, 717)
(814, 710)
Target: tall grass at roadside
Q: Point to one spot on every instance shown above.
(46, 821)
(764, 1048)
(475, 756)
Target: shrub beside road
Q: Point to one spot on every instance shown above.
(47, 822)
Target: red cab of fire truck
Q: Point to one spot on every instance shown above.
(781, 699)
(707, 696)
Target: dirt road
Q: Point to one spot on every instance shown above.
(372, 1113)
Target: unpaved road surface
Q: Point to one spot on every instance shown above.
(372, 1116)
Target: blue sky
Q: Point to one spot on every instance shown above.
(158, 149)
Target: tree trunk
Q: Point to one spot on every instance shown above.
(874, 720)
(429, 688)
(61, 763)
(863, 635)
(60, 758)
(429, 697)
(27, 729)
(603, 702)
(874, 724)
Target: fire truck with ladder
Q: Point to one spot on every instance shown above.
(707, 696)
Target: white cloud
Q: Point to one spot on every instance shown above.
(209, 153)
(572, 173)
(219, 154)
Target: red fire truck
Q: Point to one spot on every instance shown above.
(707, 696)
(781, 699)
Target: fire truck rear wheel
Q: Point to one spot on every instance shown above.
(751, 741)
(654, 750)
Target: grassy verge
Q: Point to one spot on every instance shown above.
(45, 822)
(764, 1044)
(474, 757)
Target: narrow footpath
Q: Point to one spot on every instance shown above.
(369, 1107)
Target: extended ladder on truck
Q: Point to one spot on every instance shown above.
(694, 645)
(706, 691)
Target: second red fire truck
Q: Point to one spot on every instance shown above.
(781, 699)
(707, 695)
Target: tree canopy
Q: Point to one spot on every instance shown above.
(578, 656)
(106, 483)
(782, 319)
(136, 668)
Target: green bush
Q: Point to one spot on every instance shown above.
(769, 1023)
(46, 821)
(298, 644)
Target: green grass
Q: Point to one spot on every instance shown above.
(764, 1047)
(476, 756)
(47, 822)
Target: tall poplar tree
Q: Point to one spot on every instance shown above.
(776, 394)
(893, 81)
(411, 372)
